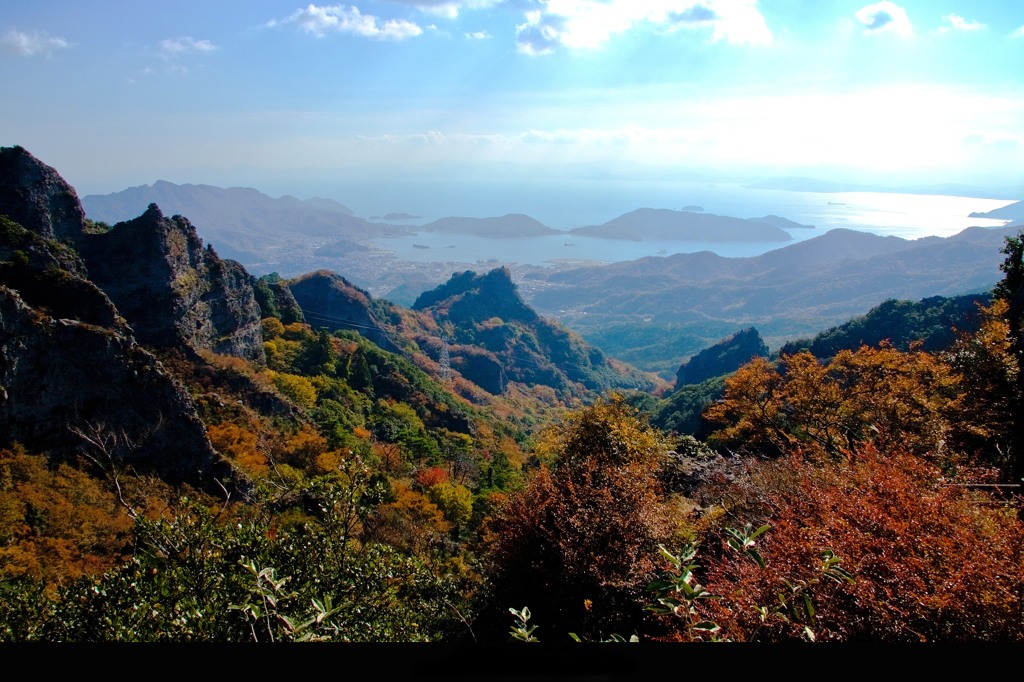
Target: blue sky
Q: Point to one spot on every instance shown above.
(304, 98)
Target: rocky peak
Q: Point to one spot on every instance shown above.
(35, 196)
(725, 357)
(469, 298)
(172, 290)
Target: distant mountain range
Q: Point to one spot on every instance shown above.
(655, 312)
(291, 236)
(652, 312)
(1013, 212)
(243, 223)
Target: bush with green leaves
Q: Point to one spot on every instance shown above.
(207, 575)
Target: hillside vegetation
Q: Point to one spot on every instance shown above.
(293, 460)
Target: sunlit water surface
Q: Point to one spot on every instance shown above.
(909, 216)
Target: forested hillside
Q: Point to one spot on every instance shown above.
(194, 454)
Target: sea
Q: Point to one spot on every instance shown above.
(904, 215)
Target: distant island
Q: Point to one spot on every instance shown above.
(663, 223)
(503, 227)
(395, 216)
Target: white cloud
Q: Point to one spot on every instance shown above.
(31, 44)
(885, 17)
(173, 47)
(321, 20)
(447, 8)
(958, 23)
(579, 24)
(1019, 33)
(478, 35)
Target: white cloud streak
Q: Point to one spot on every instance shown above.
(31, 44)
(958, 23)
(320, 20)
(448, 9)
(589, 24)
(885, 17)
(174, 47)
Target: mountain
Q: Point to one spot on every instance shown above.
(654, 311)
(504, 227)
(72, 374)
(487, 311)
(663, 223)
(245, 224)
(476, 327)
(932, 322)
(1013, 212)
(725, 357)
(330, 301)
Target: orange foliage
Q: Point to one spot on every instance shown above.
(411, 522)
(302, 449)
(239, 444)
(880, 395)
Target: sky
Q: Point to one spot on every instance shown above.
(366, 100)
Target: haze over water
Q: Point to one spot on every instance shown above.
(909, 216)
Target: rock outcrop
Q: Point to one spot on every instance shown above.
(68, 387)
(35, 196)
(73, 378)
(172, 290)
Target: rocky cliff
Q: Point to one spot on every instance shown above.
(73, 378)
(35, 196)
(174, 291)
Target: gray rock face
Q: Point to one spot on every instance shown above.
(63, 381)
(37, 197)
(73, 379)
(172, 290)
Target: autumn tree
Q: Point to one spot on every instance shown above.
(579, 542)
(932, 559)
(987, 408)
(1011, 290)
(829, 409)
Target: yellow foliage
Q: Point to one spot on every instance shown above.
(57, 523)
(298, 389)
(869, 395)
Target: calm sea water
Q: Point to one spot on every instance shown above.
(909, 216)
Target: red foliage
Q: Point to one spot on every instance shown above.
(933, 560)
(431, 476)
